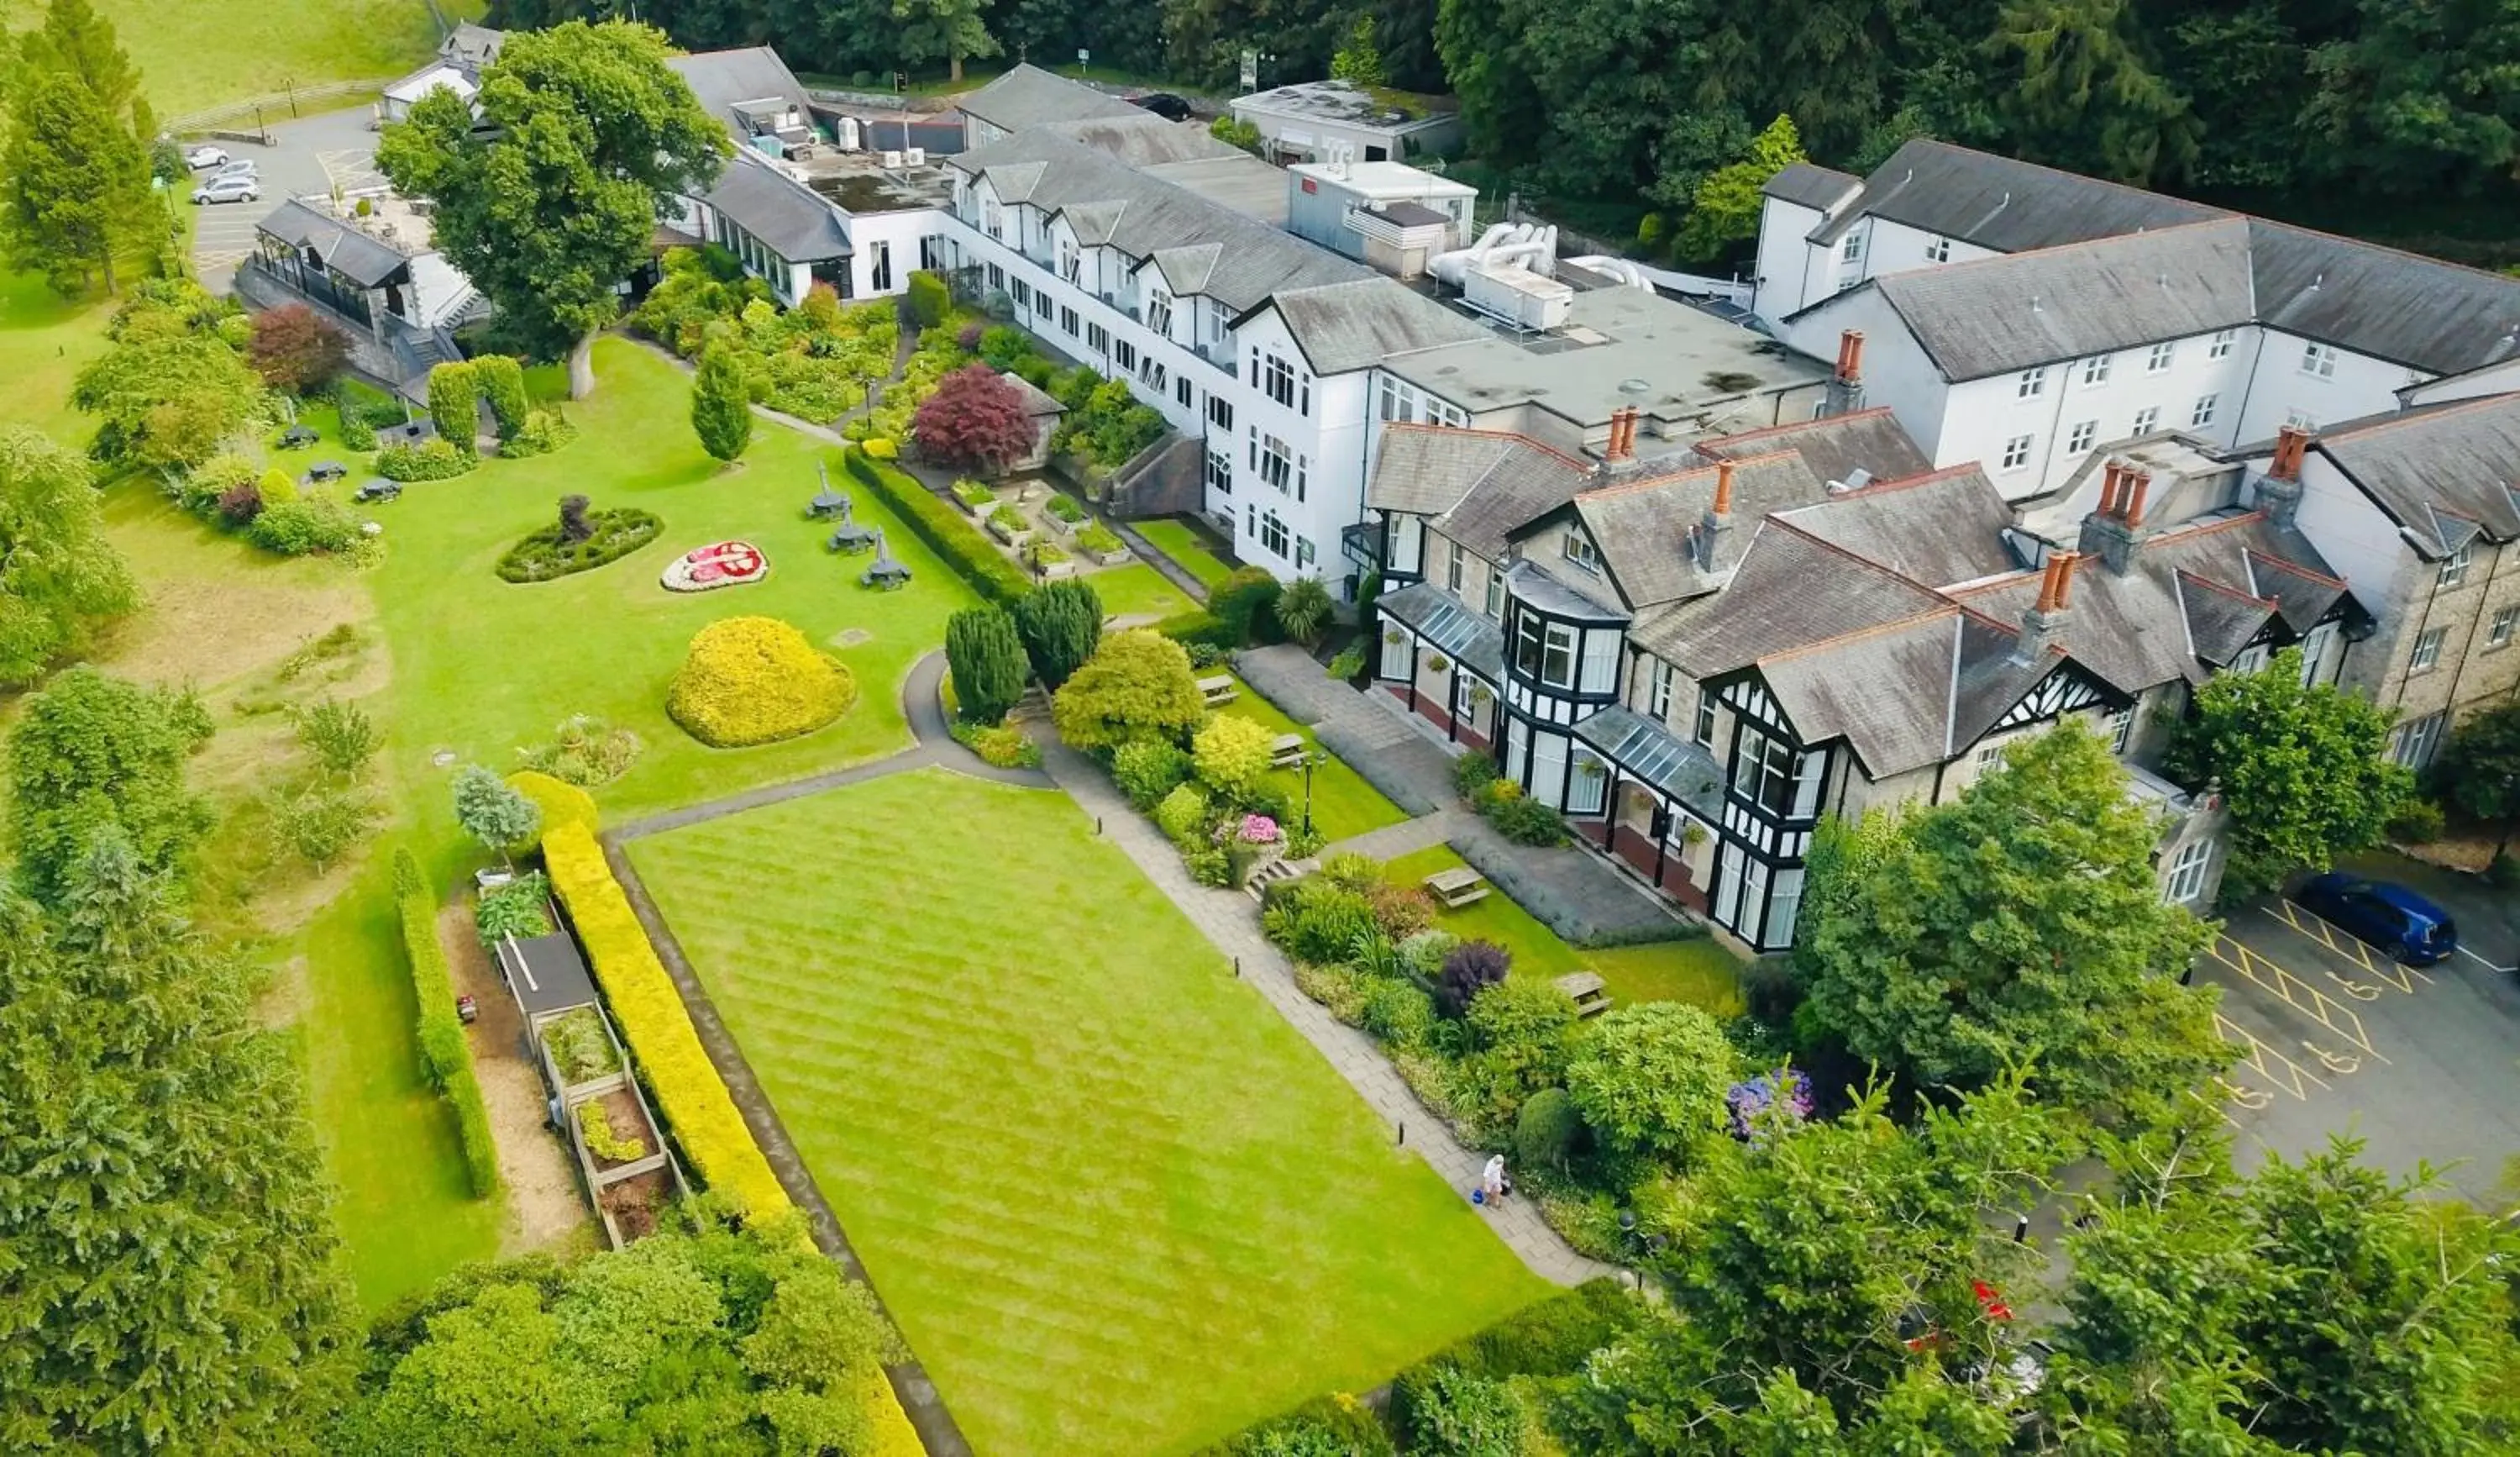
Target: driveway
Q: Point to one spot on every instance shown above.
(2422, 1065)
(309, 158)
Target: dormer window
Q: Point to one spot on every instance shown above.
(1159, 310)
(2454, 567)
(1579, 549)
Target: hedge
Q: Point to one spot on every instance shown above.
(686, 1085)
(964, 547)
(444, 1055)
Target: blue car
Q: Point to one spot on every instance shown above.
(2393, 917)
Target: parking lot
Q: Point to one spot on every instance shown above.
(2422, 1064)
(309, 158)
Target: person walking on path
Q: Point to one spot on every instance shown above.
(1492, 1179)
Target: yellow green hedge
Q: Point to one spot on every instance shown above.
(894, 1437)
(688, 1090)
(445, 1056)
(755, 680)
(562, 803)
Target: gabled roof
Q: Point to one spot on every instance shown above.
(1791, 591)
(2421, 312)
(472, 46)
(1940, 528)
(1351, 326)
(1648, 530)
(1811, 186)
(1995, 315)
(790, 219)
(367, 261)
(1141, 139)
(1834, 446)
(1028, 96)
(2002, 205)
(1498, 482)
(2441, 474)
(723, 79)
(1037, 402)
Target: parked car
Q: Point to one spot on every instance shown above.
(205, 156)
(1163, 104)
(2392, 918)
(242, 167)
(227, 190)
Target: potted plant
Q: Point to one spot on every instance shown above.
(1438, 664)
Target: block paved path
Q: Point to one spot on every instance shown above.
(1226, 918)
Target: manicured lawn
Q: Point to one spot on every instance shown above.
(1137, 590)
(1695, 969)
(44, 342)
(1185, 545)
(1343, 802)
(201, 52)
(1117, 1204)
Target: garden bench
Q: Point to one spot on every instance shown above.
(1286, 750)
(1586, 991)
(1218, 689)
(1456, 888)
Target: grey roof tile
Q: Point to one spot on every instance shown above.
(722, 79)
(1834, 446)
(345, 249)
(2458, 461)
(1811, 186)
(1940, 528)
(1354, 325)
(1028, 96)
(790, 219)
(1791, 590)
(2421, 312)
(1998, 203)
(1426, 470)
(1648, 530)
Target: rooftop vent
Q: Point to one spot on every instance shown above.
(1635, 385)
(1856, 480)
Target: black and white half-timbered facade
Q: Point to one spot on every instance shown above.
(1700, 656)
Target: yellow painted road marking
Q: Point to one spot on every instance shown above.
(2348, 945)
(2261, 1059)
(2296, 994)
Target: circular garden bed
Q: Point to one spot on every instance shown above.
(551, 553)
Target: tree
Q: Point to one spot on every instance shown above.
(1232, 754)
(74, 186)
(1651, 1077)
(164, 1215)
(93, 757)
(294, 348)
(59, 577)
(1138, 683)
(2479, 769)
(492, 811)
(341, 736)
(1725, 209)
(1361, 59)
(75, 41)
(987, 660)
(722, 405)
(947, 30)
(2415, 100)
(1062, 624)
(1303, 610)
(2018, 925)
(171, 389)
(583, 136)
(974, 421)
(2079, 92)
(2304, 769)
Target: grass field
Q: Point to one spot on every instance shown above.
(44, 342)
(1117, 1203)
(201, 53)
(1695, 969)
(1343, 802)
(1186, 546)
(1137, 590)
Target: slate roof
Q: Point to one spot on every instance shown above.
(2420, 312)
(1811, 186)
(722, 79)
(472, 46)
(1834, 446)
(355, 255)
(1426, 470)
(1141, 139)
(2443, 473)
(1940, 528)
(1028, 96)
(1037, 402)
(790, 219)
(1792, 590)
(1649, 530)
(1529, 481)
(1999, 204)
(1351, 326)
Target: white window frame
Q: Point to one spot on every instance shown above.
(2454, 567)
(2147, 420)
(1938, 249)
(1703, 731)
(2318, 361)
(1272, 524)
(2497, 633)
(2428, 650)
(2186, 879)
(1580, 552)
(2086, 432)
(1850, 250)
(1276, 464)
(2096, 370)
(2030, 383)
(2158, 361)
(2016, 454)
(2221, 348)
(2119, 726)
(2203, 414)
(1658, 685)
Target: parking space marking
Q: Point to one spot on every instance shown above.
(2298, 994)
(2481, 961)
(2262, 1059)
(2346, 944)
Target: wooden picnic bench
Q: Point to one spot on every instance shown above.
(1218, 689)
(1456, 888)
(1586, 991)
(1286, 750)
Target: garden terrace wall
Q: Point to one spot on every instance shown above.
(444, 1054)
(662, 1042)
(945, 529)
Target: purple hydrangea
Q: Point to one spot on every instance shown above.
(1259, 828)
(1750, 1102)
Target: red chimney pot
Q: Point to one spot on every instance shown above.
(1850, 355)
(2065, 579)
(1724, 488)
(2138, 483)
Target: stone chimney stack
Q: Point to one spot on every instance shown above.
(2109, 532)
(1844, 394)
(2279, 489)
(2042, 625)
(1717, 524)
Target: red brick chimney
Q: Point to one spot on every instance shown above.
(2109, 483)
(2138, 483)
(2290, 442)
(2048, 585)
(1850, 356)
(2064, 564)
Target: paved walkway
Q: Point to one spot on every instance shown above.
(1580, 895)
(1226, 917)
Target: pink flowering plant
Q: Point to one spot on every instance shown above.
(1258, 829)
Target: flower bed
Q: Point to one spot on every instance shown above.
(1008, 525)
(975, 498)
(720, 564)
(549, 554)
(580, 1047)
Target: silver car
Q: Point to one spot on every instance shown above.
(242, 167)
(205, 156)
(234, 189)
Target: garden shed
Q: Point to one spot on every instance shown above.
(546, 975)
(1044, 412)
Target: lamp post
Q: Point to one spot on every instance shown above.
(1311, 757)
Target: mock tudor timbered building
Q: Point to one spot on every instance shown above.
(1697, 658)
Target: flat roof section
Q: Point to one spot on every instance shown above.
(1346, 103)
(546, 974)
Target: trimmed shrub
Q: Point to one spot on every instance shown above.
(987, 662)
(501, 381)
(1472, 968)
(357, 433)
(277, 487)
(1204, 628)
(1524, 820)
(1231, 755)
(1318, 922)
(948, 532)
(1247, 603)
(455, 403)
(1061, 625)
(756, 680)
(672, 1064)
(1457, 1413)
(2418, 821)
(1184, 817)
(1474, 772)
(1397, 1013)
(1001, 745)
(561, 803)
(929, 299)
(722, 405)
(300, 528)
(1549, 1132)
(429, 460)
(1136, 685)
(445, 1056)
(1651, 1078)
(553, 553)
(543, 431)
(1148, 769)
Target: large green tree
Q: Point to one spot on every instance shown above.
(949, 31)
(986, 658)
(74, 193)
(75, 40)
(2019, 925)
(2304, 769)
(1137, 684)
(549, 200)
(2479, 770)
(2080, 91)
(1725, 209)
(166, 1247)
(59, 575)
(94, 757)
(2418, 100)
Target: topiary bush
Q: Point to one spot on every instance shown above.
(429, 460)
(1230, 755)
(1061, 625)
(501, 380)
(1246, 604)
(1397, 1013)
(1184, 817)
(1549, 1132)
(454, 403)
(1146, 771)
(756, 680)
(1136, 685)
(300, 528)
(929, 299)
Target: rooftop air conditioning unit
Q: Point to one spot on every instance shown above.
(892, 160)
(916, 157)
